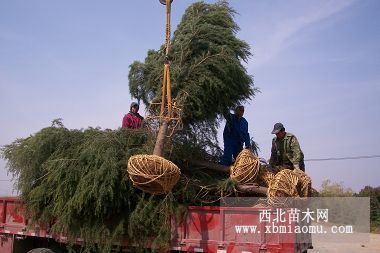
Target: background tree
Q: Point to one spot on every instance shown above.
(374, 194)
(333, 189)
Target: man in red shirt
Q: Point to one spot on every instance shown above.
(132, 119)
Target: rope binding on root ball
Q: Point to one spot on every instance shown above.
(304, 187)
(265, 176)
(286, 184)
(246, 167)
(152, 173)
(282, 186)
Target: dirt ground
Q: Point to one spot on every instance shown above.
(372, 246)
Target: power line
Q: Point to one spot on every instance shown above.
(343, 158)
(306, 160)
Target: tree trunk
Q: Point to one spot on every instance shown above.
(246, 188)
(253, 188)
(211, 165)
(160, 141)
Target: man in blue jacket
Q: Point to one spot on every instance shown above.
(235, 134)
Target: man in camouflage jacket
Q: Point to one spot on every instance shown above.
(286, 151)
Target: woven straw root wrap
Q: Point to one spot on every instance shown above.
(288, 183)
(305, 183)
(265, 177)
(152, 173)
(246, 168)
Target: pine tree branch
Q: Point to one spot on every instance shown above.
(204, 59)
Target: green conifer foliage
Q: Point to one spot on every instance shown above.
(77, 181)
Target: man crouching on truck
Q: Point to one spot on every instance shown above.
(286, 151)
(132, 119)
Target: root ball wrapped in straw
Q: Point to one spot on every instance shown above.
(284, 184)
(246, 168)
(288, 183)
(152, 173)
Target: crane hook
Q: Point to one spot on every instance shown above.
(164, 2)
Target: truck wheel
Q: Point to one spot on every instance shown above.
(40, 250)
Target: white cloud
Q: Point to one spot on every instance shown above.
(280, 35)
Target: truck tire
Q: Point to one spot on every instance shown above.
(40, 250)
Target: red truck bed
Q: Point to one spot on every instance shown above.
(214, 229)
(202, 229)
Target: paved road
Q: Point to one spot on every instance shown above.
(372, 246)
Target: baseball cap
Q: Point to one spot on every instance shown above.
(277, 128)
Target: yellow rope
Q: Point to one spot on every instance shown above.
(169, 92)
(164, 88)
(175, 123)
(245, 168)
(265, 176)
(166, 100)
(283, 185)
(168, 109)
(305, 183)
(288, 183)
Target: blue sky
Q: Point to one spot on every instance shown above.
(316, 63)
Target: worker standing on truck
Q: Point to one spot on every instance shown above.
(132, 119)
(286, 151)
(235, 134)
